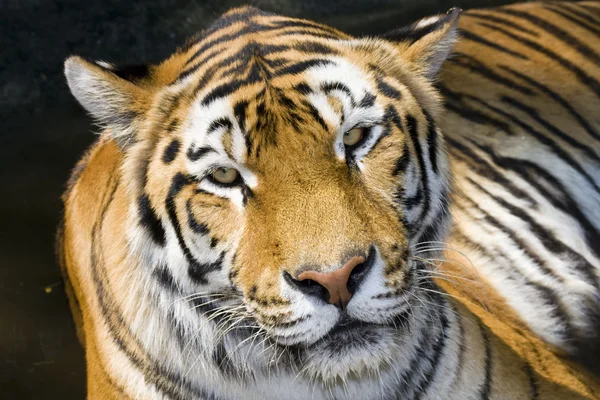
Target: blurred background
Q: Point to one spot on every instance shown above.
(44, 132)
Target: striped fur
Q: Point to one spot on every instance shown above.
(535, 183)
(185, 288)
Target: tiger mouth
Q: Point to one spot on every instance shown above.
(350, 327)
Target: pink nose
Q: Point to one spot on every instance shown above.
(336, 282)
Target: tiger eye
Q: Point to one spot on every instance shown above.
(353, 136)
(225, 176)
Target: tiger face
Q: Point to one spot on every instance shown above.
(283, 169)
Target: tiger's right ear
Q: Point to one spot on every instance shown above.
(427, 43)
(115, 99)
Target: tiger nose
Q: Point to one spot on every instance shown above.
(335, 282)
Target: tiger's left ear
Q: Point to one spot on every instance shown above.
(116, 98)
(426, 44)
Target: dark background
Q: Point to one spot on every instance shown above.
(43, 132)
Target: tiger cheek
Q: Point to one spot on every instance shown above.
(256, 265)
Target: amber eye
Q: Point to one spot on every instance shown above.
(225, 176)
(354, 136)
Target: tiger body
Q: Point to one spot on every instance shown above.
(184, 287)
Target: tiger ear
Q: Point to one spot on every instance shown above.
(114, 98)
(427, 43)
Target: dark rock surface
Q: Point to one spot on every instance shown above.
(44, 132)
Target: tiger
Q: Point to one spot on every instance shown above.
(280, 210)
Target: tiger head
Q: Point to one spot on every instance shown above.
(288, 171)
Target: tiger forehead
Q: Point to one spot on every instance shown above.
(302, 112)
(262, 106)
(248, 32)
(254, 79)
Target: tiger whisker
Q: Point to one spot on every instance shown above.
(447, 277)
(457, 285)
(441, 261)
(452, 296)
(251, 337)
(193, 296)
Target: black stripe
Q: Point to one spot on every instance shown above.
(198, 271)
(411, 372)
(534, 114)
(300, 67)
(386, 131)
(173, 125)
(415, 200)
(433, 231)
(165, 278)
(546, 294)
(455, 103)
(280, 97)
(464, 34)
(562, 11)
(484, 168)
(501, 21)
(223, 23)
(221, 359)
(204, 80)
(222, 39)
(484, 392)
(194, 225)
(178, 183)
(168, 383)
(581, 75)
(474, 65)
(546, 238)
(237, 62)
(150, 221)
(402, 161)
(514, 237)
(432, 142)
(296, 23)
(562, 35)
(171, 151)
(555, 96)
(533, 386)
(247, 194)
(579, 10)
(567, 204)
(328, 87)
(195, 155)
(275, 63)
(552, 146)
(367, 101)
(411, 124)
(302, 32)
(316, 115)
(589, 7)
(388, 90)
(251, 54)
(166, 108)
(222, 122)
(239, 112)
(225, 89)
(462, 339)
(391, 114)
(314, 47)
(303, 89)
(438, 348)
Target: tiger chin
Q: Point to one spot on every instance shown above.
(251, 224)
